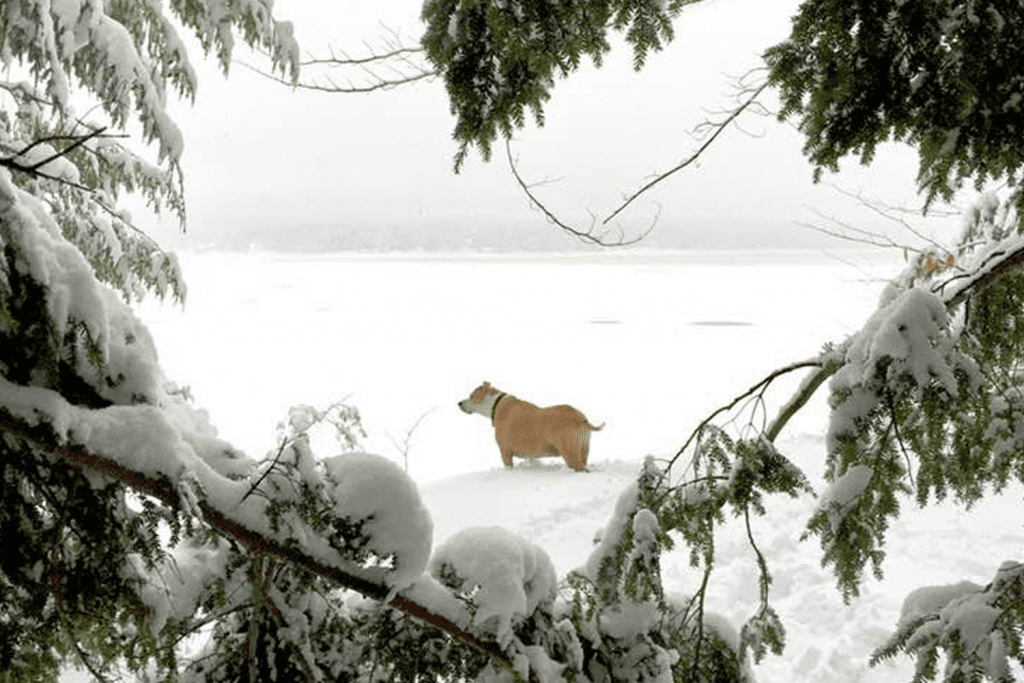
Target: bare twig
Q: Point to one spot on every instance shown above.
(855, 234)
(715, 127)
(382, 69)
(404, 447)
(334, 87)
(760, 386)
(892, 213)
(587, 235)
(373, 58)
(747, 97)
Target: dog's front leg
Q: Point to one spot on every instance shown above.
(505, 446)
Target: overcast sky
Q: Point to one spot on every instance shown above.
(261, 157)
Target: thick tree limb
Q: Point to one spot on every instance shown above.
(978, 283)
(164, 491)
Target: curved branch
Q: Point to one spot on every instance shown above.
(759, 386)
(584, 235)
(395, 57)
(332, 87)
(164, 491)
(748, 96)
(799, 400)
(978, 282)
(717, 130)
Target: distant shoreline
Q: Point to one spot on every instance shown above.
(634, 256)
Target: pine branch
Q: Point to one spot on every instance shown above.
(163, 490)
(800, 399)
(33, 169)
(758, 387)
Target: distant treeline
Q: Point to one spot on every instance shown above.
(535, 237)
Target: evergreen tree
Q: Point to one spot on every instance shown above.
(130, 530)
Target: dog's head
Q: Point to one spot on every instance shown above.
(481, 400)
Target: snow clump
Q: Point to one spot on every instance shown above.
(376, 491)
(506, 577)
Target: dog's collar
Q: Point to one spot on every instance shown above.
(495, 406)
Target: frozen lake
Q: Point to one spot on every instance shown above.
(646, 343)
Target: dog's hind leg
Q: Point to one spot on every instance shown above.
(574, 452)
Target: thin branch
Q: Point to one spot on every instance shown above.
(584, 235)
(708, 567)
(345, 60)
(859, 235)
(404, 447)
(33, 169)
(716, 127)
(285, 442)
(333, 87)
(396, 58)
(85, 659)
(899, 440)
(759, 386)
(803, 395)
(887, 211)
(77, 139)
(762, 565)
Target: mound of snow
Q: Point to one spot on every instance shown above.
(374, 490)
(506, 576)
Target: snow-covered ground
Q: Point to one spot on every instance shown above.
(647, 344)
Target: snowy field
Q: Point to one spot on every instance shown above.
(648, 344)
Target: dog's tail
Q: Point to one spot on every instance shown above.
(597, 428)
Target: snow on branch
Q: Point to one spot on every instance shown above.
(155, 464)
(966, 620)
(40, 159)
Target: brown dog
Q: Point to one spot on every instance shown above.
(527, 431)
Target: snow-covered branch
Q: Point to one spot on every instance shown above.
(38, 158)
(228, 524)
